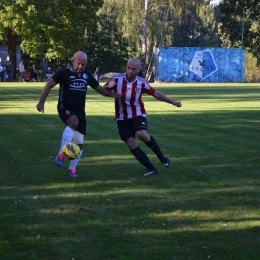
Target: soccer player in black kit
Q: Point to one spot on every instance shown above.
(73, 83)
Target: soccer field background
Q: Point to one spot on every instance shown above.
(205, 206)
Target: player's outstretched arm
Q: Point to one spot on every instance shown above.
(45, 92)
(106, 92)
(162, 97)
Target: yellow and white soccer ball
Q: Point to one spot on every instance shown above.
(70, 151)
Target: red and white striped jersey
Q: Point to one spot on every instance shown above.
(130, 103)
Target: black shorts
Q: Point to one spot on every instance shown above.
(127, 128)
(65, 113)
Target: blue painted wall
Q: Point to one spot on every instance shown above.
(199, 64)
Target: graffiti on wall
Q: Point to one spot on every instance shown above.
(200, 64)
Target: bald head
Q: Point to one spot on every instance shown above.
(79, 61)
(136, 62)
(80, 55)
(133, 68)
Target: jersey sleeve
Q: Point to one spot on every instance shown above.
(92, 81)
(148, 89)
(58, 76)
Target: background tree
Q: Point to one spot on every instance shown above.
(191, 24)
(113, 32)
(167, 23)
(55, 28)
(232, 21)
(136, 26)
(106, 46)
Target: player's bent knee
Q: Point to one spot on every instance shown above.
(143, 136)
(131, 143)
(78, 138)
(73, 122)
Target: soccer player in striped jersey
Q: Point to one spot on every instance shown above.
(130, 113)
(74, 81)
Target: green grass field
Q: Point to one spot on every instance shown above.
(206, 206)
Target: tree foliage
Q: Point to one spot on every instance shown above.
(113, 31)
(170, 23)
(55, 28)
(190, 23)
(126, 28)
(106, 46)
(232, 22)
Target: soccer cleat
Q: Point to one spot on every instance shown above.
(59, 160)
(72, 173)
(151, 172)
(166, 161)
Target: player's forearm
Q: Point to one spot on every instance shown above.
(104, 91)
(162, 97)
(45, 92)
(43, 96)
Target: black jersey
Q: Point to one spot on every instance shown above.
(73, 88)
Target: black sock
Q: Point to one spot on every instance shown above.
(142, 158)
(152, 144)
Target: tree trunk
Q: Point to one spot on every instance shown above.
(11, 47)
(144, 34)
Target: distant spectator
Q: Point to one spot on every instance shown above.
(43, 68)
(2, 70)
(8, 69)
(27, 76)
(33, 73)
(22, 71)
(49, 73)
(97, 74)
